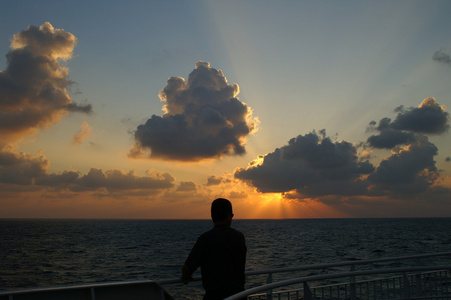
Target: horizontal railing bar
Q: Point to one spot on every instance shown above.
(94, 285)
(78, 286)
(176, 280)
(329, 276)
(372, 280)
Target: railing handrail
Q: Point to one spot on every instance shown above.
(320, 266)
(297, 280)
(77, 286)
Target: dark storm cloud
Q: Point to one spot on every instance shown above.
(311, 164)
(31, 169)
(442, 57)
(33, 86)
(203, 119)
(428, 118)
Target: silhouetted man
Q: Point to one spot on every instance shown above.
(221, 255)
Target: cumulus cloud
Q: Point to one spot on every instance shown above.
(217, 180)
(82, 134)
(32, 169)
(33, 86)
(389, 138)
(411, 169)
(213, 180)
(203, 119)
(186, 186)
(314, 166)
(428, 118)
(21, 168)
(311, 164)
(120, 180)
(442, 57)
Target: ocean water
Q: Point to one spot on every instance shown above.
(41, 253)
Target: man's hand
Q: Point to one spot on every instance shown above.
(186, 280)
(186, 274)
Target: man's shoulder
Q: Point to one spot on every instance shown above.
(219, 230)
(230, 232)
(236, 231)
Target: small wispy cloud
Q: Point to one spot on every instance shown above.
(442, 57)
(82, 134)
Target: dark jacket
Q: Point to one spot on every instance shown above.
(221, 255)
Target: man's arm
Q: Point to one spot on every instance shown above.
(186, 274)
(193, 261)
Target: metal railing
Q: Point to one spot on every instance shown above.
(350, 292)
(129, 290)
(418, 282)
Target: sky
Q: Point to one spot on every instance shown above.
(292, 109)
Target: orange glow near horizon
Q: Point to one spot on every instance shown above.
(275, 206)
(84, 205)
(184, 206)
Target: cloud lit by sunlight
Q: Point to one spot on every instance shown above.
(203, 119)
(170, 146)
(82, 134)
(33, 87)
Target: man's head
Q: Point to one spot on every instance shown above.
(221, 210)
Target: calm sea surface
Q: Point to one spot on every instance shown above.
(38, 253)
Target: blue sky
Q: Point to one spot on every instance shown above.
(300, 67)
